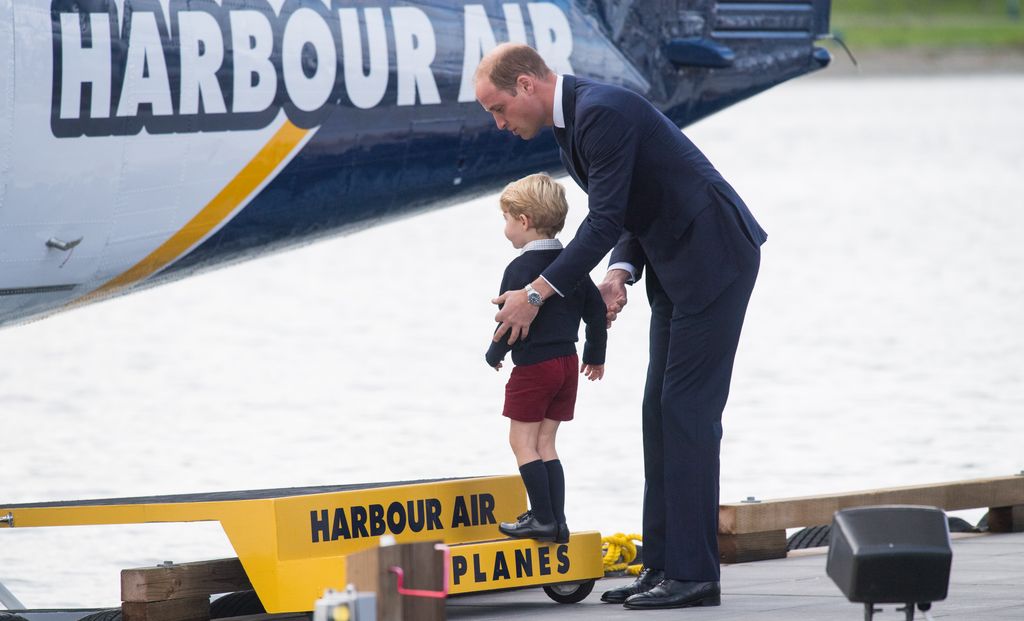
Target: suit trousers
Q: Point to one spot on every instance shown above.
(691, 362)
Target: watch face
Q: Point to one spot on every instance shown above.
(534, 298)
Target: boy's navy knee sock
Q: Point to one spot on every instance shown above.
(556, 485)
(535, 477)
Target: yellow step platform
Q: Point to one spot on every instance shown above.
(292, 543)
(513, 563)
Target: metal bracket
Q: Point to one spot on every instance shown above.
(53, 242)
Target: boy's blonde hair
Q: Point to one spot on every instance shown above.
(540, 198)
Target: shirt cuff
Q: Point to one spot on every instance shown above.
(622, 265)
(553, 288)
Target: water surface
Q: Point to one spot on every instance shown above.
(884, 344)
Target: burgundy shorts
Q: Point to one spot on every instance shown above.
(543, 390)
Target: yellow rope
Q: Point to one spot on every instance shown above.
(619, 551)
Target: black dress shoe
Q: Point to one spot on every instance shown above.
(647, 580)
(527, 526)
(563, 534)
(677, 594)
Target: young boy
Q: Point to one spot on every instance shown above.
(541, 392)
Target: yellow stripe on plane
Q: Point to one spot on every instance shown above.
(222, 205)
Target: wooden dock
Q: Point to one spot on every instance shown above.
(756, 531)
(986, 584)
(987, 574)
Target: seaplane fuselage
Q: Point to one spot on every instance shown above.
(144, 140)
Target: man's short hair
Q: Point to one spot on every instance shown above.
(541, 199)
(512, 61)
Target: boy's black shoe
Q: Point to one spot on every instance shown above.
(647, 580)
(563, 533)
(527, 526)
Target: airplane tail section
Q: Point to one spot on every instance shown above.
(701, 56)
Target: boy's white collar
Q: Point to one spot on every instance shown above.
(542, 244)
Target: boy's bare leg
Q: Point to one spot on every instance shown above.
(523, 437)
(546, 439)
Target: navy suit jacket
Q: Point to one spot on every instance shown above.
(653, 197)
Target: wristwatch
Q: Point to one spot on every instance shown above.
(533, 296)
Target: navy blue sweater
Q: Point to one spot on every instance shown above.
(555, 330)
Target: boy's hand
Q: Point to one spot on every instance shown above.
(497, 367)
(592, 371)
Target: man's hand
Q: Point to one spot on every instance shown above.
(497, 367)
(613, 292)
(592, 371)
(515, 316)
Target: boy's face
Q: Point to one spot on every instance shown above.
(516, 228)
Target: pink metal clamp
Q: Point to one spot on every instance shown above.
(443, 593)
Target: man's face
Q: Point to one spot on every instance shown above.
(522, 113)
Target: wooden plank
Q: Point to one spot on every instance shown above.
(423, 566)
(749, 547)
(183, 609)
(1006, 519)
(185, 580)
(785, 513)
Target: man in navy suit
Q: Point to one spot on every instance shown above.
(661, 208)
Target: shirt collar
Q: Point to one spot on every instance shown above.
(542, 244)
(556, 112)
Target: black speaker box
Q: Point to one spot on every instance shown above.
(890, 554)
